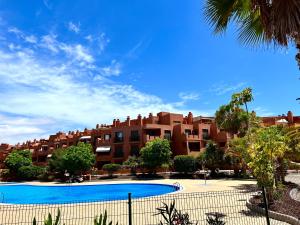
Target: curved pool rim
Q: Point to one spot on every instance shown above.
(177, 189)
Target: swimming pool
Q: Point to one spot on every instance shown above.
(39, 194)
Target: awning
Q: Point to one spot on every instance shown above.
(85, 137)
(282, 121)
(103, 149)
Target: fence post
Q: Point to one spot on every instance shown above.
(129, 209)
(266, 205)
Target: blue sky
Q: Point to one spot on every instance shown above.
(68, 65)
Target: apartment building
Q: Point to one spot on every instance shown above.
(188, 135)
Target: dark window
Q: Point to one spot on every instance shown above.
(168, 135)
(135, 150)
(119, 152)
(57, 145)
(44, 148)
(194, 146)
(187, 132)
(195, 132)
(205, 134)
(119, 137)
(134, 136)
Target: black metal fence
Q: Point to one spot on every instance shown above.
(142, 211)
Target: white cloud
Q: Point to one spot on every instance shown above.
(15, 129)
(31, 39)
(114, 69)
(260, 111)
(101, 40)
(185, 96)
(52, 93)
(221, 89)
(78, 52)
(74, 27)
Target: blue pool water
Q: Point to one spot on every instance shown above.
(34, 194)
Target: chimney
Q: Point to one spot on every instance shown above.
(117, 122)
(190, 118)
(139, 118)
(128, 121)
(97, 126)
(290, 117)
(114, 123)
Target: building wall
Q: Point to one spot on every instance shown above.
(188, 135)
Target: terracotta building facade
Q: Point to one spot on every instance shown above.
(188, 135)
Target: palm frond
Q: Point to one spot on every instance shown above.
(219, 13)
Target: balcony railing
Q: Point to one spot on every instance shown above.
(191, 137)
(150, 137)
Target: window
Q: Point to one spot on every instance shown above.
(168, 135)
(187, 132)
(134, 136)
(205, 134)
(195, 132)
(57, 146)
(119, 152)
(119, 136)
(44, 148)
(194, 146)
(107, 137)
(134, 150)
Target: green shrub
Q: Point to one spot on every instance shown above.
(155, 154)
(75, 160)
(111, 168)
(17, 159)
(30, 172)
(184, 164)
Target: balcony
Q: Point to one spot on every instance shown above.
(134, 138)
(150, 137)
(191, 137)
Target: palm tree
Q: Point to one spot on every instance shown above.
(258, 21)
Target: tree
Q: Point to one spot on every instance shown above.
(75, 159)
(155, 154)
(266, 149)
(30, 172)
(185, 164)
(258, 21)
(17, 159)
(212, 157)
(111, 168)
(234, 119)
